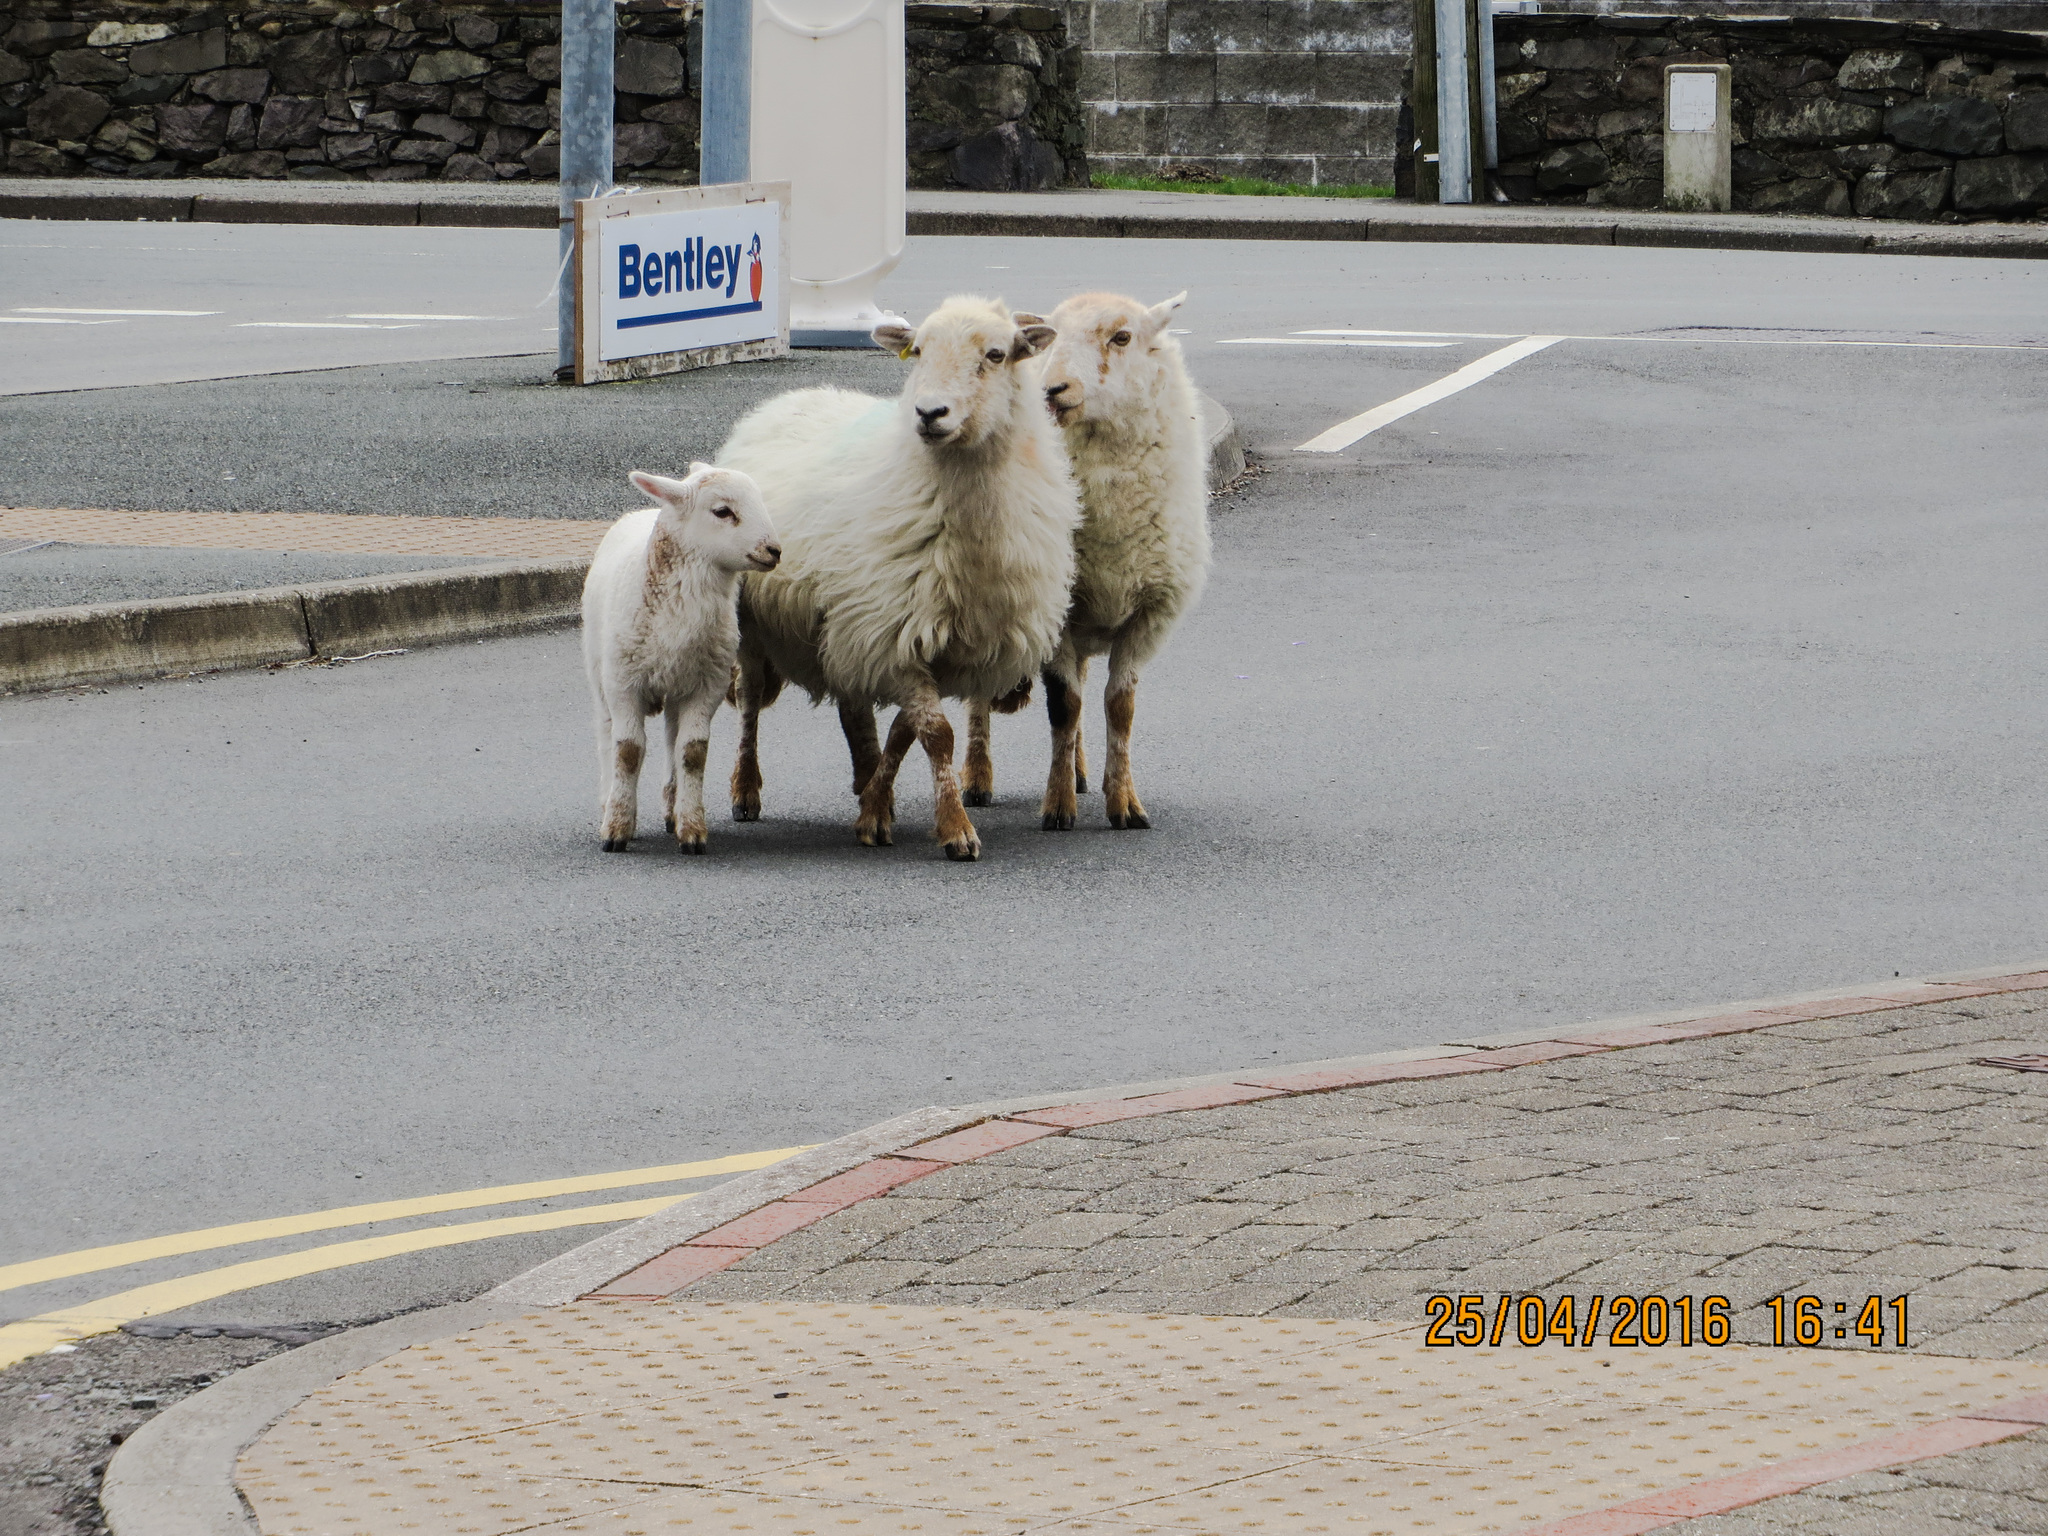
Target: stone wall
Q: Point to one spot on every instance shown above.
(1894, 120)
(470, 92)
(1287, 90)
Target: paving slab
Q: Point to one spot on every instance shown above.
(1504, 1299)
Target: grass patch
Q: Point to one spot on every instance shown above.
(1235, 186)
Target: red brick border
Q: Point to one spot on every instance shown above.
(709, 1252)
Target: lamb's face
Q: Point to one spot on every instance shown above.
(1110, 356)
(964, 380)
(717, 515)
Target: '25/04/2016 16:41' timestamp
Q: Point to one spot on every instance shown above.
(1633, 1322)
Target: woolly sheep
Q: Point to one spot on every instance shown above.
(1117, 384)
(660, 634)
(930, 552)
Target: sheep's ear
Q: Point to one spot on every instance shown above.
(894, 338)
(659, 487)
(699, 467)
(1031, 339)
(1162, 312)
(1023, 319)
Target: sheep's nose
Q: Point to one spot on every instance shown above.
(931, 413)
(1052, 390)
(771, 552)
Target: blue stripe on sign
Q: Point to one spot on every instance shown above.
(690, 314)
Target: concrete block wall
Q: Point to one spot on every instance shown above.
(1287, 90)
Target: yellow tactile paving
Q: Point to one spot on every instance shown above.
(508, 538)
(632, 1419)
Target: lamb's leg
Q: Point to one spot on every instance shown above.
(877, 823)
(689, 731)
(935, 734)
(1080, 730)
(857, 721)
(628, 750)
(1119, 706)
(978, 771)
(1063, 712)
(746, 766)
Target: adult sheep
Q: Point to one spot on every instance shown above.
(1117, 384)
(928, 552)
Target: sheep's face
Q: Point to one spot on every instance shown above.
(717, 516)
(965, 380)
(1109, 359)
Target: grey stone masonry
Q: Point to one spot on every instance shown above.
(1287, 90)
(1840, 1158)
(1873, 119)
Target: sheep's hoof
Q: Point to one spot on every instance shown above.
(964, 850)
(1130, 821)
(876, 837)
(616, 844)
(692, 844)
(1057, 821)
(742, 812)
(1080, 783)
(670, 823)
(977, 797)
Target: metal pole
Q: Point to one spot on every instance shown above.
(725, 112)
(1488, 102)
(586, 139)
(1423, 96)
(1453, 104)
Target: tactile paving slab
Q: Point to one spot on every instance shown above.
(641, 1418)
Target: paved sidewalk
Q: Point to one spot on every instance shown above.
(1076, 212)
(997, 1328)
(502, 538)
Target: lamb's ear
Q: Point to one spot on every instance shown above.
(1162, 312)
(660, 487)
(1023, 319)
(894, 338)
(1031, 339)
(699, 467)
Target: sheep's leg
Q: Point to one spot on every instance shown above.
(935, 734)
(878, 796)
(746, 767)
(978, 770)
(857, 721)
(1080, 730)
(689, 742)
(1063, 711)
(628, 749)
(1119, 707)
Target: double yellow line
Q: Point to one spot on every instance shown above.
(35, 1335)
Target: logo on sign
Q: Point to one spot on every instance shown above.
(697, 268)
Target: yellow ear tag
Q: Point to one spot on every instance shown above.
(904, 355)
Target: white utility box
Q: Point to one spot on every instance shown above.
(827, 117)
(1698, 138)
(684, 278)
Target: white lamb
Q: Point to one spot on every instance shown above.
(930, 551)
(660, 634)
(1117, 383)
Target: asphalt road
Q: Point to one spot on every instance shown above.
(1648, 672)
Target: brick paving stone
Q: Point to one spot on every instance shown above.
(1839, 1158)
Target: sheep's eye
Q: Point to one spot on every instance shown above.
(917, 351)
(994, 355)
(725, 514)
(1120, 339)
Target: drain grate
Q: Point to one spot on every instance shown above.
(2016, 1063)
(22, 546)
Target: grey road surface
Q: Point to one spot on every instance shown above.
(1649, 672)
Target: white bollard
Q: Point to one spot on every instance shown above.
(827, 117)
(1698, 134)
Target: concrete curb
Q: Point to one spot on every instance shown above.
(1078, 213)
(47, 648)
(175, 1476)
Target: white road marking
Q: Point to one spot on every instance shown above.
(1740, 341)
(50, 320)
(429, 317)
(43, 309)
(314, 325)
(1325, 341)
(1345, 433)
